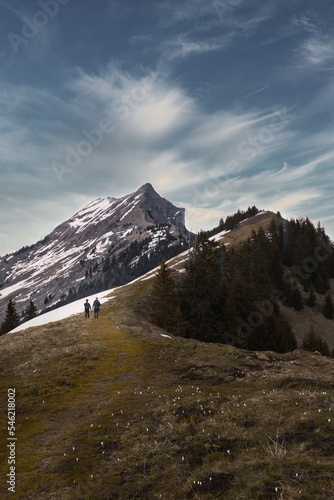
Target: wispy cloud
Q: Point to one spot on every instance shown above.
(245, 16)
(262, 89)
(287, 189)
(307, 22)
(191, 12)
(182, 46)
(318, 51)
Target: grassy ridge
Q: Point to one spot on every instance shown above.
(110, 409)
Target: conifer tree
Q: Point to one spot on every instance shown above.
(201, 290)
(328, 308)
(239, 304)
(297, 300)
(313, 342)
(311, 300)
(162, 295)
(321, 280)
(12, 318)
(165, 310)
(275, 334)
(31, 311)
(284, 338)
(325, 349)
(287, 293)
(276, 264)
(258, 262)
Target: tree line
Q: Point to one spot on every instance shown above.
(232, 221)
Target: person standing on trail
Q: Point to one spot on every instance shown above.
(87, 307)
(96, 306)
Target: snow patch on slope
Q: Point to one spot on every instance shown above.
(77, 307)
(63, 312)
(218, 236)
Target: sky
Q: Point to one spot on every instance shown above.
(220, 105)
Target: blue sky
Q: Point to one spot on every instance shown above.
(219, 104)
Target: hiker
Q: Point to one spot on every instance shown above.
(96, 306)
(87, 307)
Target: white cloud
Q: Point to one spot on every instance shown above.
(163, 112)
(165, 169)
(317, 51)
(290, 202)
(244, 16)
(202, 218)
(200, 14)
(236, 23)
(182, 46)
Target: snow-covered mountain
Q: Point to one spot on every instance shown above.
(108, 243)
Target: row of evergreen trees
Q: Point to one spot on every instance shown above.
(233, 297)
(232, 221)
(12, 318)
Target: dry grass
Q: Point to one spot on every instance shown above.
(244, 231)
(110, 409)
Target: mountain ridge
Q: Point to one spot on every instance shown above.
(91, 249)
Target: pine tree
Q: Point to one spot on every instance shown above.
(239, 304)
(325, 349)
(274, 334)
(328, 308)
(258, 262)
(276, 264)
(297, 300)
(313, 342)
(201, 290)
(311, 300)
(287, 290)
(31, 311)
(165, 310)
(284, 338)
(12, 318)
(322, 281)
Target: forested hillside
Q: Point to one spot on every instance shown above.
(236, 296)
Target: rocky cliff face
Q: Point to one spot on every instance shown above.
(107, 243)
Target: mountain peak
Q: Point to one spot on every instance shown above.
(147, 188)
(107, 243)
